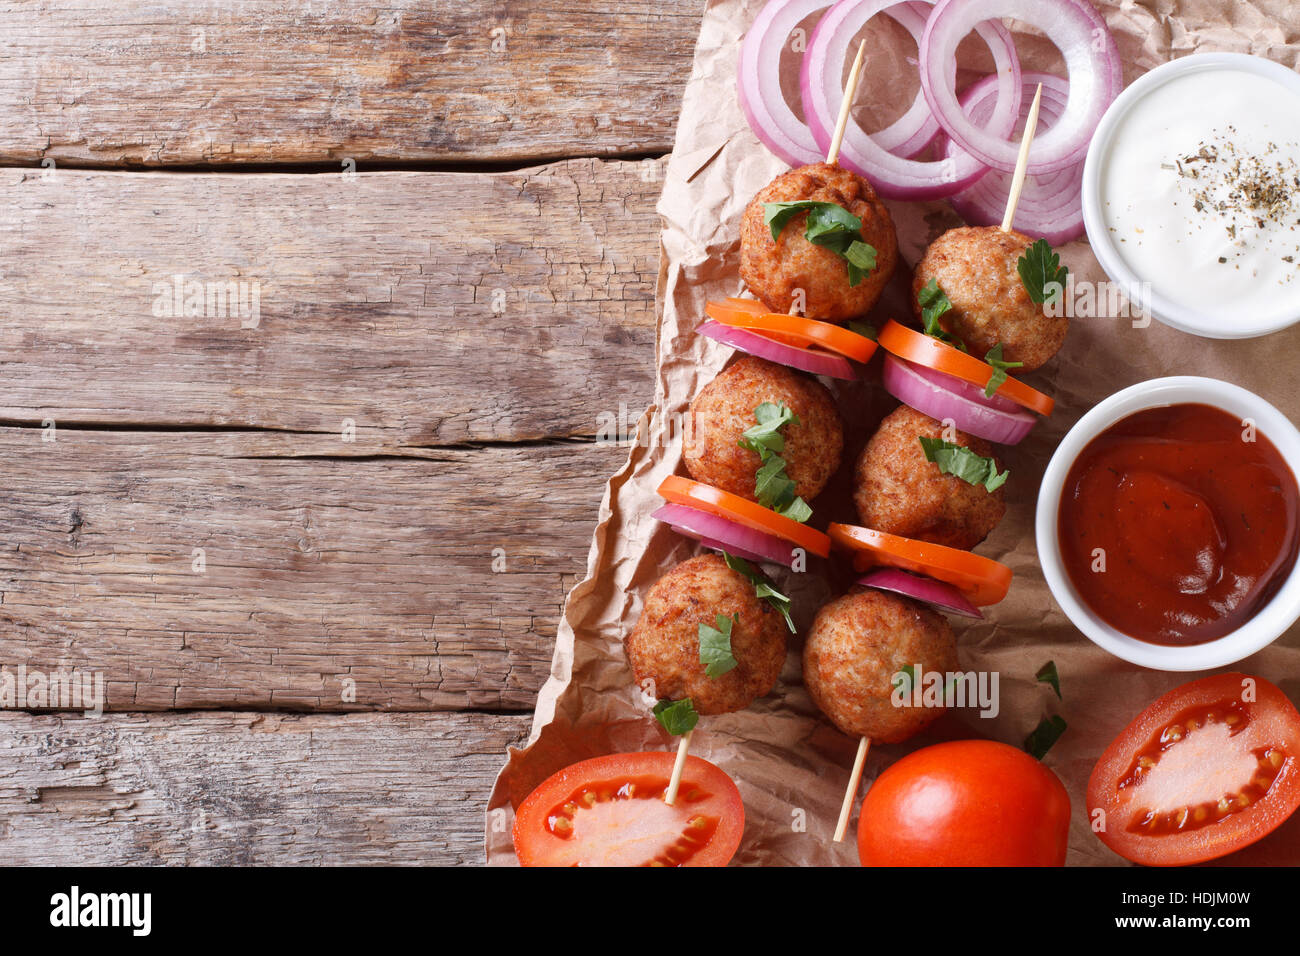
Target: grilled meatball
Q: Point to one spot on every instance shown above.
(976, 267)
(724, 409)
(774, 269)
(899, 491)
(664, 645)
(858, 646)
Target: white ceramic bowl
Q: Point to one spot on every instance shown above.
(1266, 626)
(1174, 314)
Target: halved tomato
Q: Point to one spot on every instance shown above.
(714, 501)
(791, 329)
(981, 580)
(1210, 767)
(609, 811)
(922, 349)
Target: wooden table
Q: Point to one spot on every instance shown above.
(316, 548)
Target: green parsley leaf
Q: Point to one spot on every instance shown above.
(905, 679)
(763, 587)
(766, 435)
(864, 330)
(1045, 736)
(773, 488)
(715, 647)
(994, 358)
(960, 461)
(677, 716)
(1047, 675)
(935, 304)
(1039, 267)
(830, 226)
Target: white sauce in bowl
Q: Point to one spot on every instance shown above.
(1199, 191)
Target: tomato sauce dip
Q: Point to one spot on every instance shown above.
(1177, 524)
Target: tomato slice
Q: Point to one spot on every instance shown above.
(724, 504)
(609, 811)
(981, 580)
(792, 329)
(926, 350)
(1210, 767)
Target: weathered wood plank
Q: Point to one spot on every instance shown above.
(115, 82)
(332, 577)
(426, 308)
(248, 788)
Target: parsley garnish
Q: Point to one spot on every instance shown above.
(766, 435)
(772, 486)
(1039, 267)
(905, 679)
(1047, 675)
(677, 716)
(1045, 736)
(830, 226)
(715, 647)
(864, 330)
(934, 303)
(960, 461)
(994, 358)
(762, 587)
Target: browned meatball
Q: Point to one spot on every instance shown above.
(858, 646)
(724, 409)
(976, 267)
(665, 644)
(899, 491)
(774, 269)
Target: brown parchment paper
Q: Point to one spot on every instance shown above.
(790, 763)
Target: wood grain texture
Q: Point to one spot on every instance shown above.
(242, 788)
(426, 308)
(134, 82)
(333, 576)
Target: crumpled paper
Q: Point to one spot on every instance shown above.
(790, 763)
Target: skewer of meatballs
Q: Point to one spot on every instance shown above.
(712, 636)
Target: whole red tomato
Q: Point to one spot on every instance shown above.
(965, 803)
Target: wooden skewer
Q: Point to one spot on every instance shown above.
(1022, 162)
(850, 90)
(851, 793)
(675, 781)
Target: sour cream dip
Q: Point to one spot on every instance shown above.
(1192, 194)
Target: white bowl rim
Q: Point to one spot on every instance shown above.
(1260, 631)
(1173, 314)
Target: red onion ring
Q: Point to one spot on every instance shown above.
(771, 117)
(818, 363)
(723, 535)
(893, 176)
(930, 395)
(1095, 78)
(759, 75)
(945, 597)
(1051, 205)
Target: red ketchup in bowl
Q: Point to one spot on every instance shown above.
(1177, 524)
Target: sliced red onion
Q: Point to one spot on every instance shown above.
(818, 363)
(724, 535)
(759, 75)
(771, 117)
(926, 590)
(893, 176)
(977, 416)
(974, 393)
(1051, 205)
(1091, 58)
